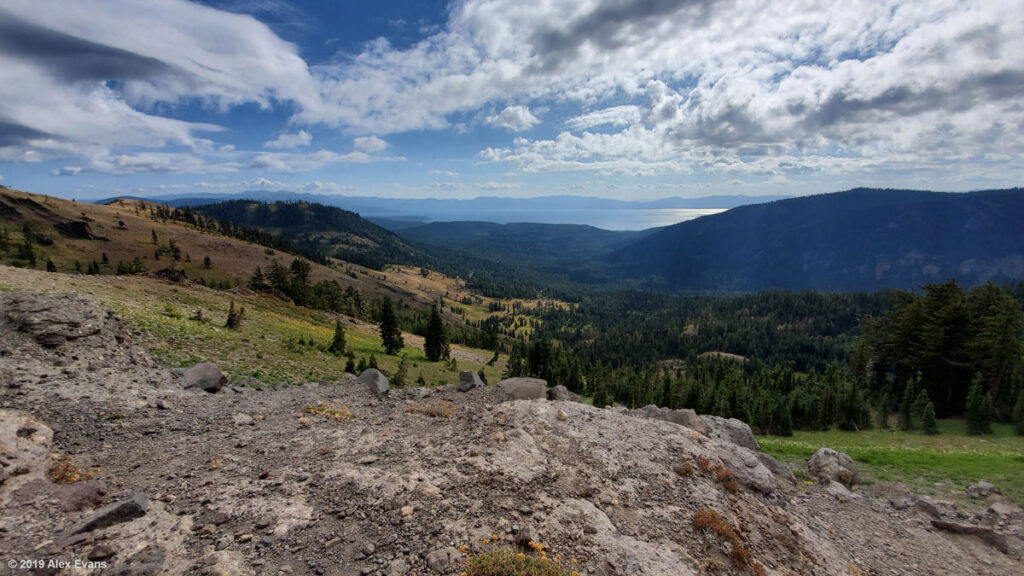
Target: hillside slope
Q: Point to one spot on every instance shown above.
(857, 240)
(247, 482)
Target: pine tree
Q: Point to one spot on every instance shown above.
(1018, 413)
(50, 266)
(917, 409)
(350, 365)
(977, 415)
(601, 395)
(155, 241)
(401, 373)
(362, 366)
(514, 368)
(783, 418)
(207, 263)
(373, 362)
(257, 281)
(928, 419)
(104, 260)
(883, 413)
(667, 392)
(390, 333)
(338, 345)
(435, 345)
(907, 407)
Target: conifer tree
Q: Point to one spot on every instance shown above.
(435, 345)
(401, 373)
(390, 333)
(362, 366)
(50, 266)
(350, 365)
(1018, 413)
(207, 263)
(928, 419)
(883, 413)
(373, 362)
(907, 407)
(917, 409)
(337, 346)
(978, 412)
(601, 395)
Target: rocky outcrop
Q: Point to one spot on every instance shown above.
(205, 376)
(77, 230)
(828, 465)
(116, 513)
(682, 417)
(53, 320)
(524, 389)
(25, 444)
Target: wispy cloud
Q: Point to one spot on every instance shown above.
(286, 140)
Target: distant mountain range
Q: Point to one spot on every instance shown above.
(395, 212)
(863, 239)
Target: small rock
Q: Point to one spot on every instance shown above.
(116, 513)
(100, 552)
(442, 560)
(981, 489)
(369, 548)
(524, 388)
(242, 419)
(265, 542)
(526, 535)
(562, 416)
(407, 511)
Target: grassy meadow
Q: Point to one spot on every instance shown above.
(941, 465)
(267, 347)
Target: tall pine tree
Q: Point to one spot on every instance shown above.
(338, 344)
(390, 333)
(435, 345)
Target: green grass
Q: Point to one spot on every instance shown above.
(941, 465)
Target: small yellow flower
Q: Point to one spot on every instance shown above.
(520, 556)
(463, 548)
(558, 556)
(487, 541)
(463, 574)
(543, 560)
(575, 573)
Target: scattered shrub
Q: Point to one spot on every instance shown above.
(330, 410)
(64, 471)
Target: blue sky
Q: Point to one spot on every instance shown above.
(629, 99)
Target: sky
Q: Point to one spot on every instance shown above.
(627, 99)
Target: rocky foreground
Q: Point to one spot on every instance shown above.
(115, 466)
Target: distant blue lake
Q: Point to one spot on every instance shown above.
(609, 219)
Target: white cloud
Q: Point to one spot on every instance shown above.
(55, 100)
(300, 138)
(514, 118)
(438, 172)
(301, 162)
(741, 85)
(67, 171)
(369, 144)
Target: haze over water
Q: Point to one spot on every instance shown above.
(608, 219)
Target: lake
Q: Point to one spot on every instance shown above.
(609, 219)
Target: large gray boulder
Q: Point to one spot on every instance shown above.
(730, 430)
(828, 465)
(682, 417)
(524, 388)
(747, 468)
(205, 376)
(375, 381)
(468, 380)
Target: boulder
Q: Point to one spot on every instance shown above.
(747, 468)
(443, 560)
(375, 381)
(682, 417)
(116, 513)
(730, 430)
(777, 468)
(205, 376)
(561, 394)
(982, 489)
(828, 465)
(468, 380)
(524, 388)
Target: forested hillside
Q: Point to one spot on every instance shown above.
(864, 239)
